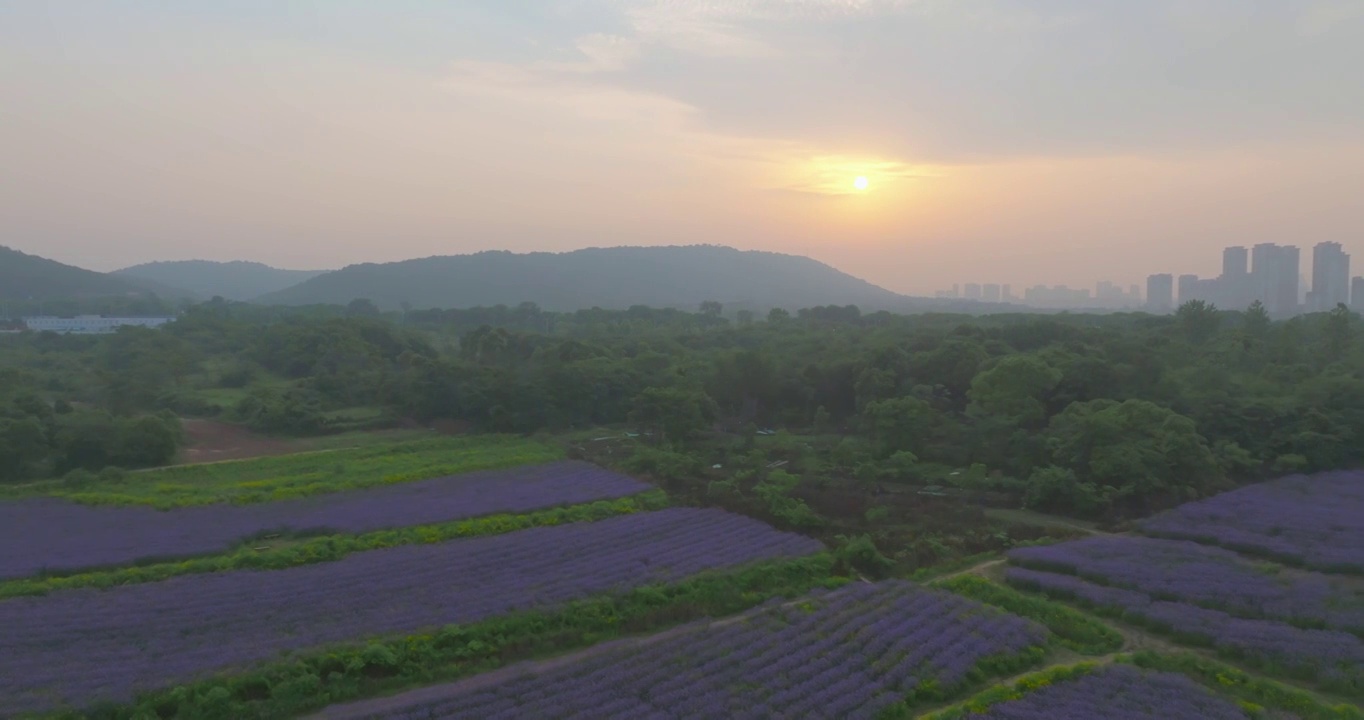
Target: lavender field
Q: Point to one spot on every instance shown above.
(848, 653)
(1316, 520)
(81, 646)
(1212, 577)
(38, 535)
(1120, 692)
(1331, 657)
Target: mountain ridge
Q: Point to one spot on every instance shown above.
(233, 280)
(33, 277)
(612, 278)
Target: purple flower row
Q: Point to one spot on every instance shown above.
(1315, 520)
(1329, 656)
(1212, 577)
(1119, 692)
(81, 646)
(50, 534)
(850, 653)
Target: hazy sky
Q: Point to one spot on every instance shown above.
(1022, 141)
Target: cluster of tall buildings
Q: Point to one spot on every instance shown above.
(1268, 273)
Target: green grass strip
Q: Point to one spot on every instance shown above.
(983, 701)
(1346, 681)
(1257, 695)
(1073, 628)
(987, 671)
(327, 548)
(286, 477)
(311, 681)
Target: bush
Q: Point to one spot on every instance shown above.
(78, 478)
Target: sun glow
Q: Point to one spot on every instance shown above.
(860, 183)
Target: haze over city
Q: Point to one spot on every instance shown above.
(911, 143)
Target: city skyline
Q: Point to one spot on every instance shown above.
(1267, 272)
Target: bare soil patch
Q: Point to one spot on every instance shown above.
(212, 441)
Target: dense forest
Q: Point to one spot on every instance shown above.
(1087, 415)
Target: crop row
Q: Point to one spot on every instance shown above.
(848, 653)
(1185, 571)
(1333, 658)
(77, 647)
(1316, 521)
(330, 548)
(36, 535)
(1113, 692)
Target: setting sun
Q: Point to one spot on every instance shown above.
(860, 183)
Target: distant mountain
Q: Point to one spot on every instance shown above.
(611, 278)
(232, 280)
(29, 277)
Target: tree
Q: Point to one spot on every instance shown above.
(1198, 320)
(1151, 457)
(362, 307)
(1338, 333)
(23, 445)
(1015, 390)
(672, 414)
(897, 424)
(1257, 321)
(776, 315)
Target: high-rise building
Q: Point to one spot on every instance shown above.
(1330, 277)
(1235, 261)
(1160, 293)
(989, 292)
(1188, 285)
(1006, 293)
(972, 291)
(1233, 286)
(1357, 294)
(1274, 278)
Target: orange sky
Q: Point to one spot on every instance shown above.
(1071, 142)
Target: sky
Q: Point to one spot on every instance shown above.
(1012, 141)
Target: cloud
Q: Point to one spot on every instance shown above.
(983, 80)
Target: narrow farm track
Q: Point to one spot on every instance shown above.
(1136, 639)
(436, 693)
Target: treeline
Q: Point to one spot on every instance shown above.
(40, 439)
(1090, 415)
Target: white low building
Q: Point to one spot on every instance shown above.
(90, 324)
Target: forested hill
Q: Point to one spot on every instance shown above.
(232, 280)
(610, 278)
(29, 277)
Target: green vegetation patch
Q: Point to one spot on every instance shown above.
(983, 701)
(313, 680)
(328, 548)
(1256, 694)
(287, 477)
(1073, 628)
(1259, 697)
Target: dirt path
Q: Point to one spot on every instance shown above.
(977, 569)
(444, 691)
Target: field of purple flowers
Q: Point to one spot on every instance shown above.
(1316, 520)
(1119, 692)
(81, 646)
(1185, 571)
(847, 653)
(1330, 657)
(38, 535)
